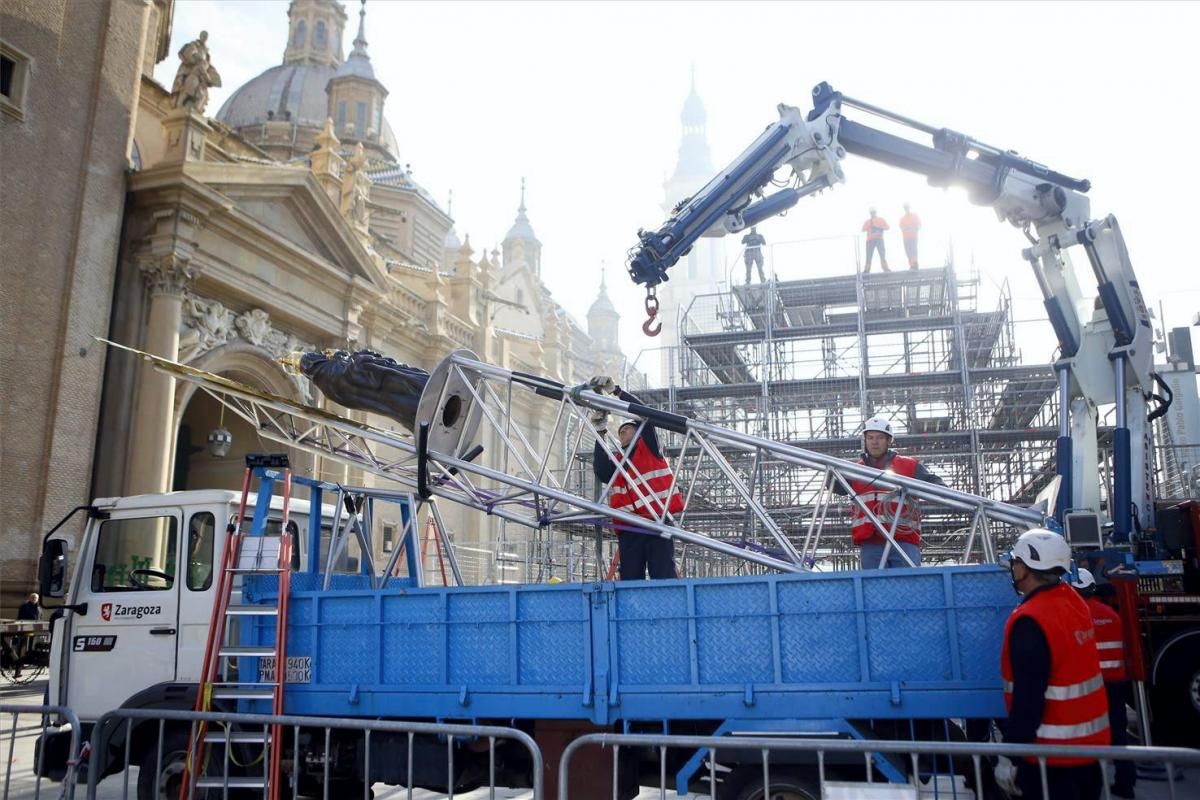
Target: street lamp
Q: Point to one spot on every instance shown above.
(220, 439)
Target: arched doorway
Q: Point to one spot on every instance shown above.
(195, 466)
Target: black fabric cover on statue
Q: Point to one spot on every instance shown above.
(368, 381)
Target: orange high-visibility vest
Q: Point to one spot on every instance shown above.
(875, 227)
(909, 225)
(1110, 640)
(1076, 710)
(652, 477)
(883, 504)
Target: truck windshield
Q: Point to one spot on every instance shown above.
(135, 555)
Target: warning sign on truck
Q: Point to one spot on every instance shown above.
(299, 669)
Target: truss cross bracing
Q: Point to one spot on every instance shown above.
(473, 448)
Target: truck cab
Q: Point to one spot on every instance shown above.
(137, 611)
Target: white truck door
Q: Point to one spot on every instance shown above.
(126, 641)
(204, 547)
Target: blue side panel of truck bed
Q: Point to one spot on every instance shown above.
(910, 643)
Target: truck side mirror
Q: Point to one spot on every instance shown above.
(52, 568)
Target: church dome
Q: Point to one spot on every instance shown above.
(290, 92)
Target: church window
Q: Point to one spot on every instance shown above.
(341, 116)
(301, 30)
(14, 79)
(360, 119)
(319, 36)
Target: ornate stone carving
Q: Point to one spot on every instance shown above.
(169, 274)
(195, 76)
(206, 324)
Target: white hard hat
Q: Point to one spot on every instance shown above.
(1085, 580)
(881, 424)
(1043, 550)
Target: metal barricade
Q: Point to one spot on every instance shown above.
(21, 758)
(228, 730)
(879, 757)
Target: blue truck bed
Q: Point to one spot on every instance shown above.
(904, 643)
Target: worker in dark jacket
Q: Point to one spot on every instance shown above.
(1053, 687)
(644, 486)
(1110, 645)
(884, 503)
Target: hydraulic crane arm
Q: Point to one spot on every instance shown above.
(1106, 353)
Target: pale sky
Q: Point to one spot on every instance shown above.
(583, 100)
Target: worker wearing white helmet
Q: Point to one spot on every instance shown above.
(1110, 645)
(875, 551)
(1052, 683)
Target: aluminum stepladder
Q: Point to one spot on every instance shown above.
(246, 554)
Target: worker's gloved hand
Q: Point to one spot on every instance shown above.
(599, 420)
(602, 384)
(1005, 773)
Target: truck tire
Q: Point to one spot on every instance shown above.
(746, 783)
(1175, 696)
(165, 784)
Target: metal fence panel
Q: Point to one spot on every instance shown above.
(18, 785)
(236, 735)
(898, 760)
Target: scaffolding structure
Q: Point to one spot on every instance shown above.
(806, 362)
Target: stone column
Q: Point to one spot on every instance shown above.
(153, 434)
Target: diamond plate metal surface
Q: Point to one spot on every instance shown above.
(480, 639)
(348, 640)
(652, 635)
(818, 631)
(733, 633)
(983, 601)
(413, 640)
(552, 638)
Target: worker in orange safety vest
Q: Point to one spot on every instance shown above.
(874, 228)
(644, 485)
(910, 227)
(1053, 687)
(884, 502)
(1110, 644)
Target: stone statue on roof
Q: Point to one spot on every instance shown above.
(356, 189)
(195, 76)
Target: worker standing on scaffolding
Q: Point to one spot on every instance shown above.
(641, 486)
(874, 228)
(752, 253)
(875, 552)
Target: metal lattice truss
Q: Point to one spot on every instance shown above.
(470, 407)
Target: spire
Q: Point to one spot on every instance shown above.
(358, 63)
(602, 305)
(450, 204)
(521, 228)
(360, 41)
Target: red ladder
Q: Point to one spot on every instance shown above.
(246, 554)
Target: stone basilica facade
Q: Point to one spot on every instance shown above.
(283, 223)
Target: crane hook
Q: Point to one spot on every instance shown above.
(652, 326)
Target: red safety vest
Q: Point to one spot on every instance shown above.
(1076, 710)
(883, 504)
(1110, 640)
(874, 228)
(910, 224)
(653, 477)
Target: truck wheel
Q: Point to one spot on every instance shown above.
(746, 783)
(1175, 697)
(164, 785)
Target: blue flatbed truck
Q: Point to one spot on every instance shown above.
(795, 652)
